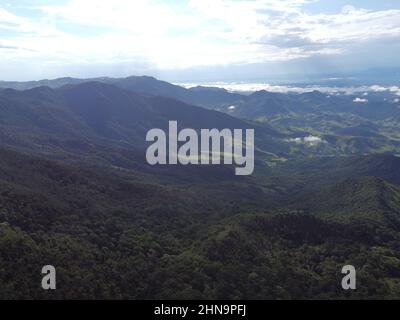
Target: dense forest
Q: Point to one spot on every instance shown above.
(113, 238)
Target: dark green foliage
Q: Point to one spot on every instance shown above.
(114, 238)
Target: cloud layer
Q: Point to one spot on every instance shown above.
(165, 35)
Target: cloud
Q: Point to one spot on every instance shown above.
(288, 41)
(252, 87)
(187, 34)
(360, 100)
(331, 33)
(309, 141)
(8, 19)
(7, 47)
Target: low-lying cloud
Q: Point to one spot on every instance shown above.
(253, 87)
(309, 140)
(360, 100)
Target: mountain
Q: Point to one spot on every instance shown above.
(103, 124)
(264, 105)
(367, 197)
(346, 123)
(384, 166)
(201, 96)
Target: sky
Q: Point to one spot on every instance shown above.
(192, 40)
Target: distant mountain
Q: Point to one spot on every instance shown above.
(350, 124)
(201, 96)
(266, 105)
(97, 122)
(347, 124)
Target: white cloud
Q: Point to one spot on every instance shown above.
(360, 100)
(309, 140)
(312, 139)
(252, 87)
(348, 9)
(188, 34)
